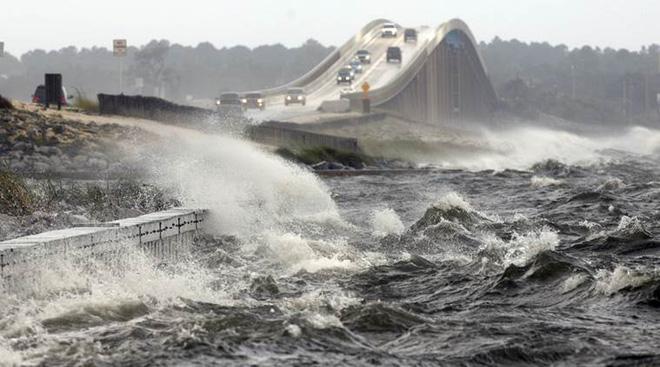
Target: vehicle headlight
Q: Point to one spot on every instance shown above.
(288, 98)
(368, 57)
(260, 100)
(243, 100)
(217, 102)
(299, 98)
(339, 78)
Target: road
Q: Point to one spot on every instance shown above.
(325, 88)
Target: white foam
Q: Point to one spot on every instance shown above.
(573, 282)
(612, 184)
(520, 148)
(542, 181)
(246, 189)
(621, 277)
(521, 249)
(293, 330)
(8, 357)
(385, 222)
(298, 253)
(630, 224)
(453, 200)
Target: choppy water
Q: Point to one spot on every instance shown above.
(554, 264)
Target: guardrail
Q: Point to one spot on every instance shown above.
(163, 233)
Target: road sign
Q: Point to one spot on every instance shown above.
(365, 89)
(2, 49)
(119, 47)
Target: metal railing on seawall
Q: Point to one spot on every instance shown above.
(164, 234)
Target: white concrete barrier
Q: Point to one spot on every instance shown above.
(162, 233)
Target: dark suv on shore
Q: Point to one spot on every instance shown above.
(39, 96)
(393, 54)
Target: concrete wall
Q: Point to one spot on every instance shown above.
(157, 109)
(162, 233)
(292, 138)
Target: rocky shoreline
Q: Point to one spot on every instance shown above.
(34, 144)
(57, 173)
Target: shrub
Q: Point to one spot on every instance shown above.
(86, 104)
(5, 104)
(15, 197)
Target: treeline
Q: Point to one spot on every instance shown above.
(582, 84)
(162, 69)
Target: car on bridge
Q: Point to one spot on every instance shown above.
(394, 54)
(410, 35)
(356, 65)
(295, 95)
(345, 75)
(364, 56)
(389, 30)
(253, 101)
(229, 102)
(345, 92)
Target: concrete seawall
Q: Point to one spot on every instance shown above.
(165, 234)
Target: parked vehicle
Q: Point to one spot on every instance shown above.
(345, 75)
(253, 101)
(295, 95)
(356, 65)
(389, 30)
(410, 35)
(39, 96)
(393, 54)
(364, 56)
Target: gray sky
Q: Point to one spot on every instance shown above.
(58, 23)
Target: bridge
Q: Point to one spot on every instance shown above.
(442, 78)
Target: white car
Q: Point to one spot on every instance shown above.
(389, 30)
(345, 91)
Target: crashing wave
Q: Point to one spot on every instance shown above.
(385, 222)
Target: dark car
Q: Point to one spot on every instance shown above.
(39, 96)
(295, 95)
(393, 54)
(364, 56)
(345, 75)
(356, 65)
(254, 100)
(229, 102)
(410, 35)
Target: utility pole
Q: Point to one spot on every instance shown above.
(2, 49)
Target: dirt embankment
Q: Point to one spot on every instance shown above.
(56, 172)
(32, 142)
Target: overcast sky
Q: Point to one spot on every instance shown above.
(58, 23)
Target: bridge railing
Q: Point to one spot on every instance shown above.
(316, 72)
(383, 94)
